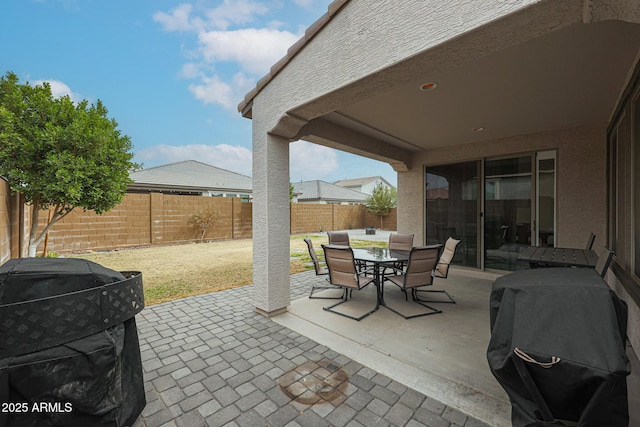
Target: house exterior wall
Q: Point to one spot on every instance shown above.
(581, 179)
(391, 32)
(624, 135)
(357, 50)
(370, 186)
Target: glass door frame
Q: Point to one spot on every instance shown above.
(531, 155)
(546, 155)
(536, 156)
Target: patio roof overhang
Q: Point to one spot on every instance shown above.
(549, 65)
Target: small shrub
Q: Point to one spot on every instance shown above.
(203, 219)
(50, 254)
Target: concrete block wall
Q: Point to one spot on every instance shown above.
(153, 219)
(5, 222)
(242, 219)
(126, 225)
(310, 218)
(389, 222)
(178, 213)
(348, 216)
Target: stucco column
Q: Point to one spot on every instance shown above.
(411, 197)
(271, 213)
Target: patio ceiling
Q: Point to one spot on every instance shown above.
(568, 77)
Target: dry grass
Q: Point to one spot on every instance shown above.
(178, 271)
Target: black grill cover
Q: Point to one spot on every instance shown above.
(69, 341)
(557, 347)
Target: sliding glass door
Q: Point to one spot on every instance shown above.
(507, 210)
(453, 206)
(497, 207)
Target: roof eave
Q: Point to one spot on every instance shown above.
(245, 107)
(169, 187)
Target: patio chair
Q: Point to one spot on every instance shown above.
(340, 238)
(603, 262)
(442, 269)
(321, 270)
(344, 274)
(400, 242)
(419, 273)
(592, 238)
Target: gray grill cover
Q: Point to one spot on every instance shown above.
(572, 315)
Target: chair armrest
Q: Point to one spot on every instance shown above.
(394, 270)
(364, 271)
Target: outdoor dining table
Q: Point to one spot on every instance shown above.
(567, 257)
(380, 258)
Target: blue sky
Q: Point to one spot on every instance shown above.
(171, 73)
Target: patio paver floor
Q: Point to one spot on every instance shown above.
(211, 360)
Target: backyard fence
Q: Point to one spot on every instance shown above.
(155, 218)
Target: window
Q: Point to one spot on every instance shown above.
(613, 191)
(623, 236)
(636, 185)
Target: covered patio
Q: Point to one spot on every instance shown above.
(441, 355)
(210, 360)
(511, 125)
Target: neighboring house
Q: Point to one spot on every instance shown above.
(526, 112)
(320, 192)
(364, 185)
(191, 177)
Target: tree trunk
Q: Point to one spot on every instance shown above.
(33, 241)
(34, 238)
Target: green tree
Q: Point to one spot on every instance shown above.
(381, 201)
(58, 154)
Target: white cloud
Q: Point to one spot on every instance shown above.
(212, 90)
(238, 56)
(186, 17)
(59, 89)
(254, 49)
(310, 161)
(304, 3)
(178, 19)
(234, 12)
(233, 158)
(191, 70)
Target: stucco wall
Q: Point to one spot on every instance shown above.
(581, 179)
(391, 32)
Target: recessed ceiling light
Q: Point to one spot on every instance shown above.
(428, 86)
(478, 129)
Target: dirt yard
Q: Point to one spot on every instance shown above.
(178, 271)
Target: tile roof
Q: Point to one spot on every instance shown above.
(360, 181)
(245, 106)
(191, 174)
(321, 190)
